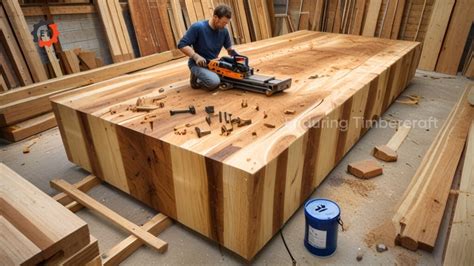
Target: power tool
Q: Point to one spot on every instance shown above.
(235, 72)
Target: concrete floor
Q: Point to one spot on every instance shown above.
(367, 205)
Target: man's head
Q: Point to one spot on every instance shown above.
(222, 16)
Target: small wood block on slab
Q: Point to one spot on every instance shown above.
(365, 169)
(384, 153)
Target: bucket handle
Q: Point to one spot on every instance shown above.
(339, 221)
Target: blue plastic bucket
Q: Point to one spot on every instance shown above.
(322, 219)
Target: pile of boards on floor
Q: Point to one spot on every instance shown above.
(35, 229)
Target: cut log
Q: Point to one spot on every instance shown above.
(365, 169)
(261, 179)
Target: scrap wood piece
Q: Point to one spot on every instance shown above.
(388, 152)
(421, 210)
(26, 149)
(460, 242)
(365, 169)
(110, 215)
(126, 247)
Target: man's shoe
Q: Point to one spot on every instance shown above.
(194, 82)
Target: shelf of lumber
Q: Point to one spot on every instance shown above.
(240, 189)
(35, 228)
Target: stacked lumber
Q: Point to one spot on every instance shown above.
(118, 38)
(18, 56)
(421, 210)
(152, 26)
(443, 26)
(38, 230)
(461, 237)
(26, 111)
(236, 187)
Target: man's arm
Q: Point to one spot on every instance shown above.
(185, 43)
(231, 51)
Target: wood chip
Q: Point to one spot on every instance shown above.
(269, 125)
(289, 112)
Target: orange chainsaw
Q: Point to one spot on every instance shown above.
(235, 72)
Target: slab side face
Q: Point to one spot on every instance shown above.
(238, 190)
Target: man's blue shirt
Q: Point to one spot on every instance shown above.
(205, 41)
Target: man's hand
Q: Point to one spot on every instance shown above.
(200, 61)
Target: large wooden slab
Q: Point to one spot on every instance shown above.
(239, 189)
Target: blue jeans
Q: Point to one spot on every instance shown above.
(206, 79)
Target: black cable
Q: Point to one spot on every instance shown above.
(287, 249)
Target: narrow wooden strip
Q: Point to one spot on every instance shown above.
(397, 139)
(84, 185)
(110, 215)
(126, 247)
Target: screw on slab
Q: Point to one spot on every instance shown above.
(244, 122)
(209, 109)
(220, 117)
(208, 119)
(190, 110)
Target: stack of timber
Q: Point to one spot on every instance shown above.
(118, 38)
(20, 63)
(152, 26)
(461, 237)
(26, 111)
(443, 26)
(421, 210)
(36, 229)
(216, 185)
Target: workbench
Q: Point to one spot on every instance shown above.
(237, 189)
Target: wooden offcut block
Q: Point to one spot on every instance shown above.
(365, 169)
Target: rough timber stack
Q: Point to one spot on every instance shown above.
(240, 189)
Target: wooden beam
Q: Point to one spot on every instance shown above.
(28, 128)
(110, 215)
(32, 11)
(84, 185)
(126, 247)
(25, 40)
(460, 243)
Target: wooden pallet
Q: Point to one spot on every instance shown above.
(240, 189)
(36, 229)
(74, 197)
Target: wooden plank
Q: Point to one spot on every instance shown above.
(228, 179)
(88, 59)
(83, 256)
(32, 11)
(28, 128)
(435, 34)
(3, 83)
(34, 97)
(371, 17)
(15, 248)
(109, 29)
(46, 223)
(126, 247)
(110, 215)
(460, 242)
(420, 213)
(84, 185)
(457, 34)
(359, 16)
(178, 18)
(25, 40)
(7, 38)
(388, 19)
(398, 19)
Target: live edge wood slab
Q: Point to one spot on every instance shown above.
(240, 189)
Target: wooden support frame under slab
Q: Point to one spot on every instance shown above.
(126, 247)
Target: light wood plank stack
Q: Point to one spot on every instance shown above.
(240, 189)
(114, 25)
(461, 237)
(421, 210)
(36, 229)
(23, 111)
(152, 26)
